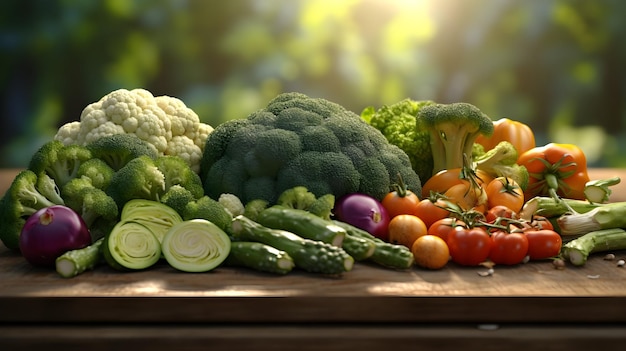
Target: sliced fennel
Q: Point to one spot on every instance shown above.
(158, 217)
(131, 246)
(195, 245)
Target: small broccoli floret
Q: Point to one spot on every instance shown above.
(298, 197)
(501, 161)
(118, 149)
(21, 200)
(59, 161)
(48, 188)
(232, 204)
(138, 179)
(398, 123)
(98, 210)
(323, 206)
(93, 204)
(177, 197)
(178, 172)
(211, 210)
(98, 171)
(453, 129)
(253, 207)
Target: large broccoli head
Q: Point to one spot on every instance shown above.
(301, 141)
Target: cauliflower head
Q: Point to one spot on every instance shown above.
(165, 122)
(297, 140)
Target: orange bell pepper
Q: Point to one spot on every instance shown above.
(555, 170)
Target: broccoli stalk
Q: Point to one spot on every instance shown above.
(453, 129)
(501, 162)
(59, 161)
(22, 199)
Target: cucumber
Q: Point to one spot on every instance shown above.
(75, 262)
(310, 255)
(302, 223)
(260, 257)
(385, 254)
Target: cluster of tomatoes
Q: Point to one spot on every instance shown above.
(474, 221)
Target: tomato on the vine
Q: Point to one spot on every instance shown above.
(506, 192)
(541, 222)
(444, 226)
(543, 243)
(400, 200)
(469, 246)
(447, 178)
(468, 196)
(508, 248)
(431, 211)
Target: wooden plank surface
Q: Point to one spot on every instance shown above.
(529, 293)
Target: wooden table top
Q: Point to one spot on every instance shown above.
(535, 292)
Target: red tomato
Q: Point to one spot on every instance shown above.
(508, 248)
(506, 192)
(469, 246)
(400, 201)
(541, 222)
(543, 244)
(499, 215)
(499, 211)
(430, 212)
(444, 226)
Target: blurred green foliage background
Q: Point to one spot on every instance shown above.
(556, 65)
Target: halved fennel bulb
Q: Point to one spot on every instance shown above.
(195, 245)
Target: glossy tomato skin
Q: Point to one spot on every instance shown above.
(508, 248)
(541, 222)
(469, 246)
(543, 244)
(447, 178)
(430, 212)
(505, 191)
(397, 203)
(444, 226)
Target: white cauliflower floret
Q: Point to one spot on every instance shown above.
(185, 148)
(203, 133)
(68, 132)
(164, 122)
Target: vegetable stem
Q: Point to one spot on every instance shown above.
(579, 249)
(608, 216)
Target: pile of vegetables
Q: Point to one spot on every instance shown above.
(303, 184)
